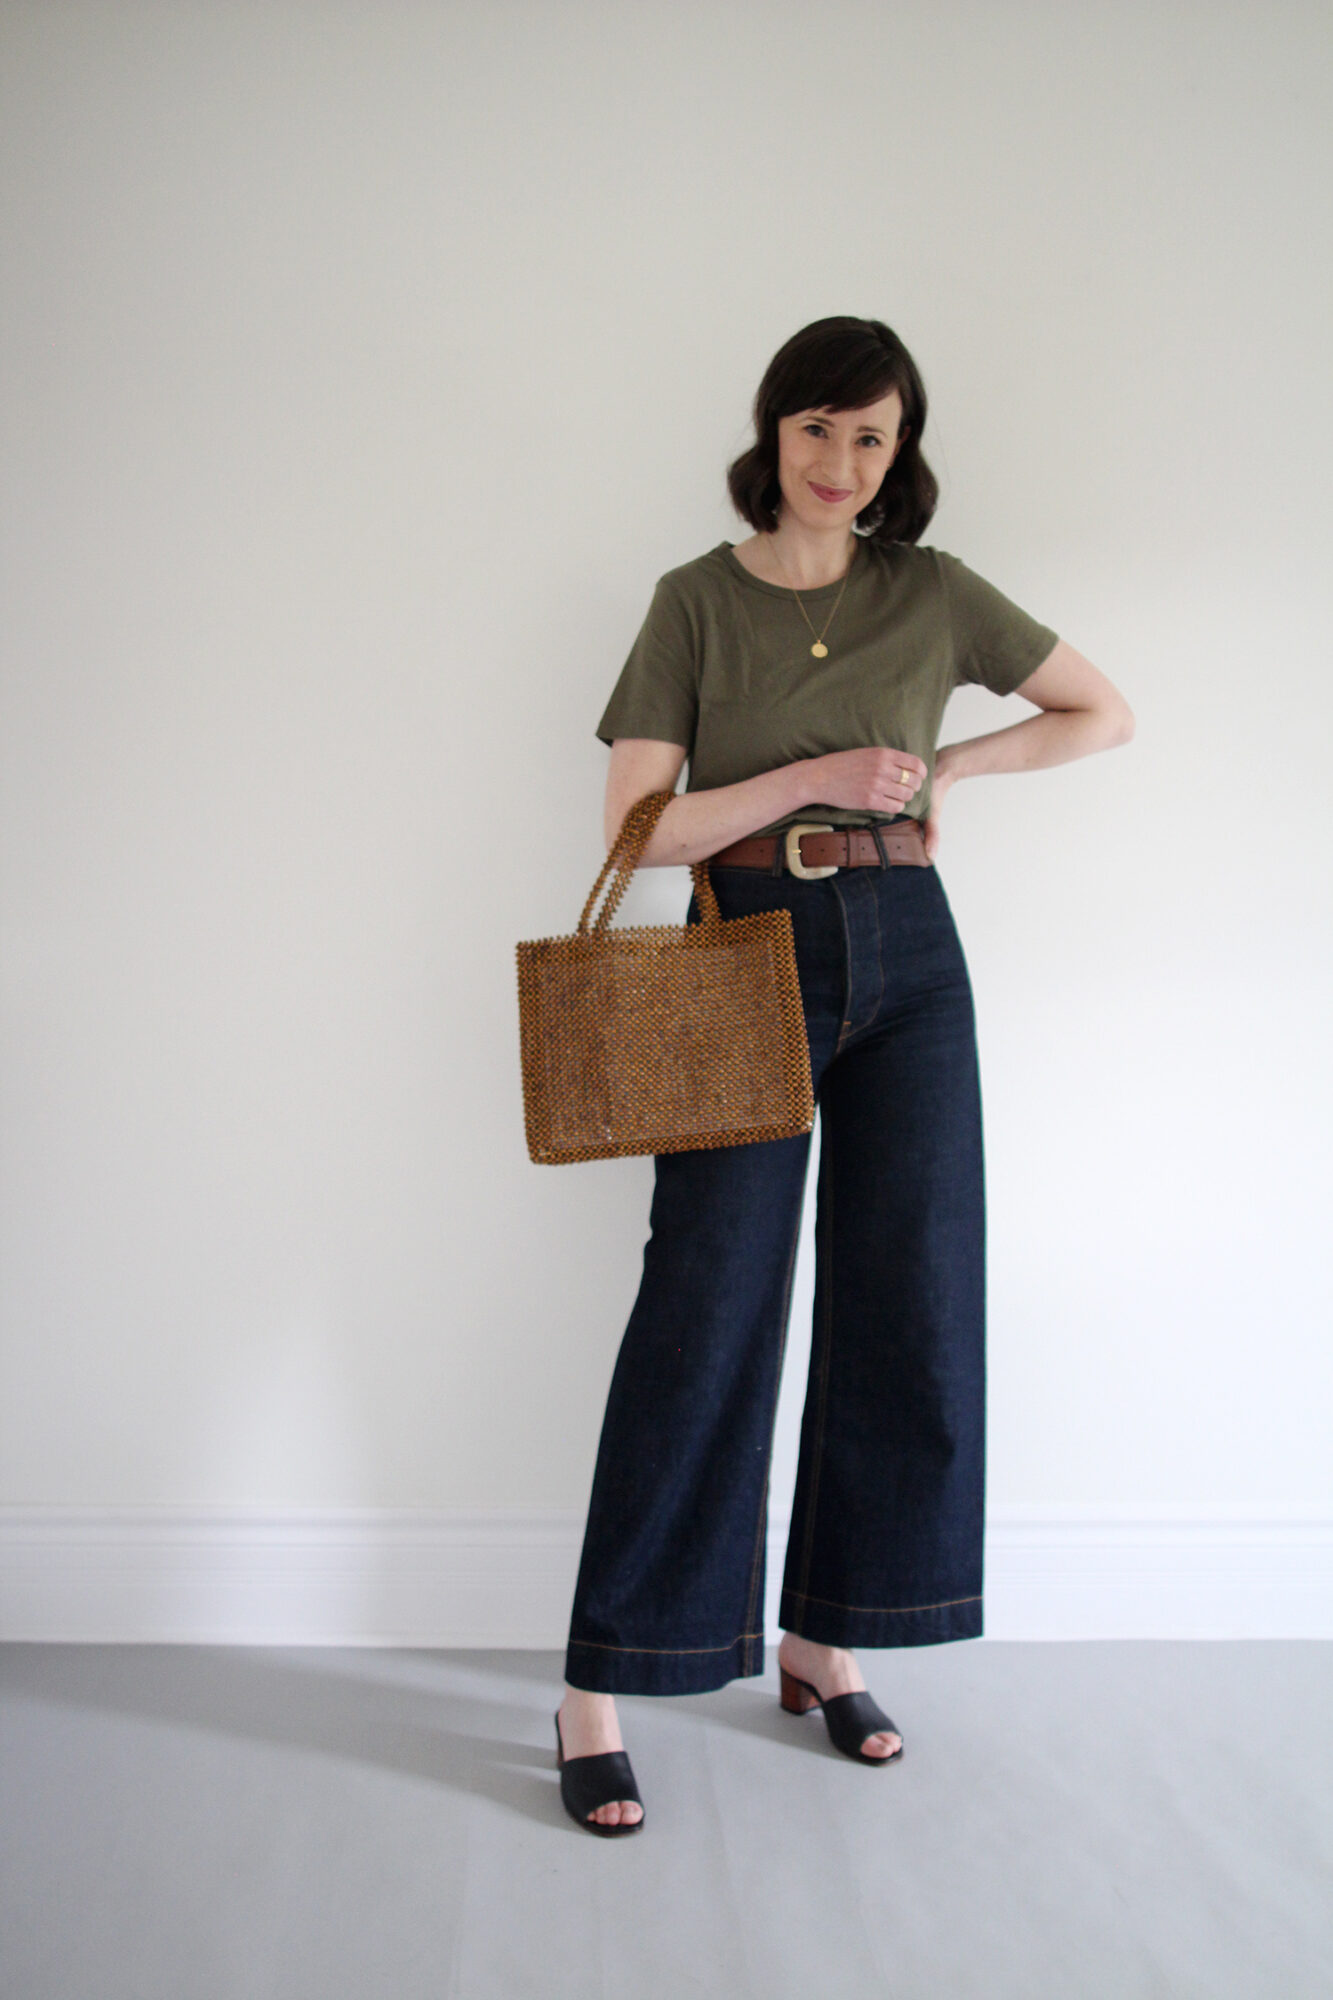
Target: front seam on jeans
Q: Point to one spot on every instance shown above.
(847, 968)
(826, 1165)
(879, 950)
(601, 1647)
(750, 1608)
(898, 1609)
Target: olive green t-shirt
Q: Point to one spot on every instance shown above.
(722, 665)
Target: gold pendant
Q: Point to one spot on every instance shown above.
(820, 650)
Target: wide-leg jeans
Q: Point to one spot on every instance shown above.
(885, 1540)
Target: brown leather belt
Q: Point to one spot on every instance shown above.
(813, 849)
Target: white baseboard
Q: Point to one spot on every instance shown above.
(421, 1577)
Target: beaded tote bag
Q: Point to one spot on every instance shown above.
(665, 1037)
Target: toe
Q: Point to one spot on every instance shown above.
(882, 1744)
(617, 1811)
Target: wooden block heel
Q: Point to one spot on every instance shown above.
(797, 1697)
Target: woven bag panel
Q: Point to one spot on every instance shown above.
(662, 1038)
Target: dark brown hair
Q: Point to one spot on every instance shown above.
(840, 363)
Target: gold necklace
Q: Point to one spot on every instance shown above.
(819, 649)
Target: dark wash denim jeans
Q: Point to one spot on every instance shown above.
(885, 1543)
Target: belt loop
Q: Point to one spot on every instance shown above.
(879, 842)
(776, 869)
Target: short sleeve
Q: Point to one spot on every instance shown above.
(996, 644)
(657, 693)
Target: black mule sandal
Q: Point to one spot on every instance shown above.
(589, 1782)
(850, 1718)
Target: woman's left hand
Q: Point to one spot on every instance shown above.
(939, 787)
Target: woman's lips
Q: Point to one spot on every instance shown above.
(831, 492)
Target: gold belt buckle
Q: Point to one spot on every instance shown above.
(793, 851)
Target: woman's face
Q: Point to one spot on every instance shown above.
(831, 462)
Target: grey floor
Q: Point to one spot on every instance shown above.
(1088, 1821)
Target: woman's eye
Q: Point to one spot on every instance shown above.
(869, 437)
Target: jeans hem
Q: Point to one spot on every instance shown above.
(841, 1625)
(631, 1670)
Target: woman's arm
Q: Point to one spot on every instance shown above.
(696, 824)
(1083, 712)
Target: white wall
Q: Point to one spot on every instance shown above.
(364, 365)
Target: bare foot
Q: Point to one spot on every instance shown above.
(832, 1670)
(588, 1726)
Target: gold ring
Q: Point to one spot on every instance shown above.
(904, 780)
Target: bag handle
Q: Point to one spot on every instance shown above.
(635, 832)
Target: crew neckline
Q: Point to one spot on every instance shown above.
(738, 569)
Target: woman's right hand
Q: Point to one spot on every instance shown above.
(864, 779)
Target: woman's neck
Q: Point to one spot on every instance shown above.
(799, 557)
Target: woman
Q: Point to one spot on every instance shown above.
(804, 673)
